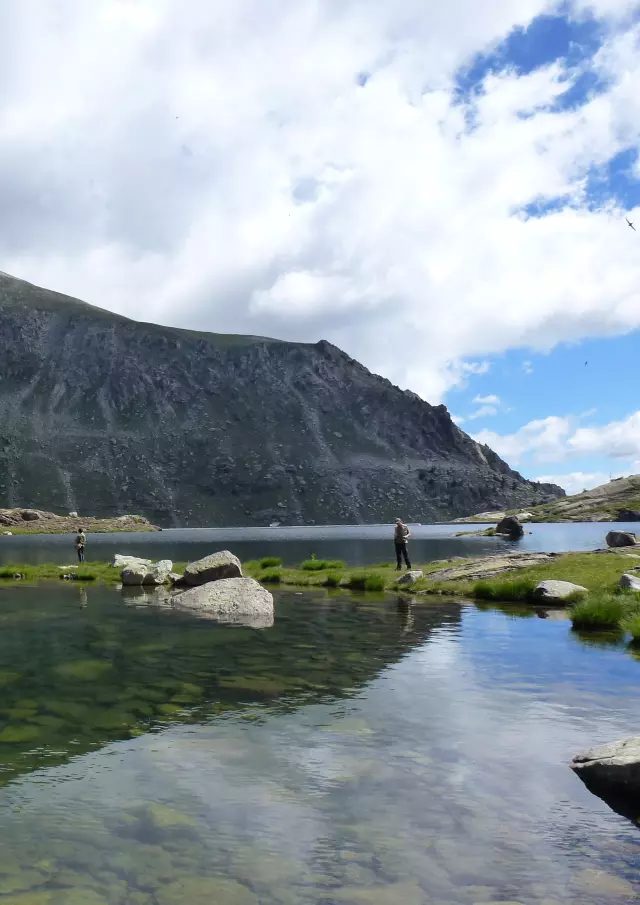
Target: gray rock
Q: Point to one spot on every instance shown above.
(629, 582)
(510, 525)
(553, 591)
(120, 561)
(621, 539)
(628, 515)
(134, 574)
(175, 579)
(410, 577)
(158, 573)
(213, 568)
(611, 770)
(235, 600)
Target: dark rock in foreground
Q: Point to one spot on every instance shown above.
(612, 772)
(102, 414)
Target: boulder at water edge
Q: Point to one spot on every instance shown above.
(510, 526)
(557, 591)
(621, 539)
(629, 582)
(236, 600)
(138, 573)
(612, 772)
(213, 568)
(410, 578)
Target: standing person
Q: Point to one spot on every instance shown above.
(81, 540)
(400, 536)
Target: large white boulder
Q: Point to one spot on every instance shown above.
(553, 591)
(139, 572)
(213, 568)
(158, 572)
(120, 561)
(235, 600)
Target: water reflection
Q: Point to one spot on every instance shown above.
(360, 752)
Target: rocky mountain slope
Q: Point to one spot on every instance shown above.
(616, 501)
(102, 414)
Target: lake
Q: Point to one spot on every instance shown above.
(358, 545)
(362, 751)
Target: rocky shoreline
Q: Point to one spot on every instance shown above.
(23, 520)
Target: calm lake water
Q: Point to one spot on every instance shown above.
(360, 752)
(359, 545)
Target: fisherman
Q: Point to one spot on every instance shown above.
(81, 540)
(400, 536)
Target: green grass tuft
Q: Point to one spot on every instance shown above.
(332, 580)
(271, 576)
(320, 565)
(631, 625)
(270, 562)
(504, 589)
(599, 611)
(365, 581)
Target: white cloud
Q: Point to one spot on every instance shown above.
(485, 411)
(487, 400)
(527, 367)
(457, 419)
(556, 439)
(229, 169)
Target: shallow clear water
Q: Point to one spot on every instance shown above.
(360, 751)
(357, 544)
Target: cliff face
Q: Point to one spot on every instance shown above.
(105, 415)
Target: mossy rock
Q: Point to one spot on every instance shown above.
(393, 894)
(48, 721)
(85, 670)
(83, 896)
(68, 710)
(28, 898)
(169, 709)
(255, 684)
(22, 881)
(19, 735)
(111, 719)
(20, 713)
(7, 677)
(259, 869)
(159, 821)
(206, 891)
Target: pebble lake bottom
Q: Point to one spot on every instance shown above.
(360, 751)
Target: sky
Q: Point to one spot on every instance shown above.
(438, 189)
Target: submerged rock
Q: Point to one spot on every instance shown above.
(235, 600)
(510, 525)
(215, 567)
(621, 539)
(629, 582)
(206, 891)
(554, 591)
(612, 772)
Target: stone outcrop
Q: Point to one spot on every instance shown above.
(628, 515)
(621, 539)
(629, 582)
(139, 573)
(554, 591)
(411, 577)
(510, 527)
(120, 561)
(102, 414)
(488, 566)
(212, 568)
(613, 773)
(232, 600)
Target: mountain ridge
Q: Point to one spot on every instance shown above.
(102, 413)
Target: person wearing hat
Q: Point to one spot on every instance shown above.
(400, 536)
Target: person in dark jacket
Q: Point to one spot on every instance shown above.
(400, 536)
